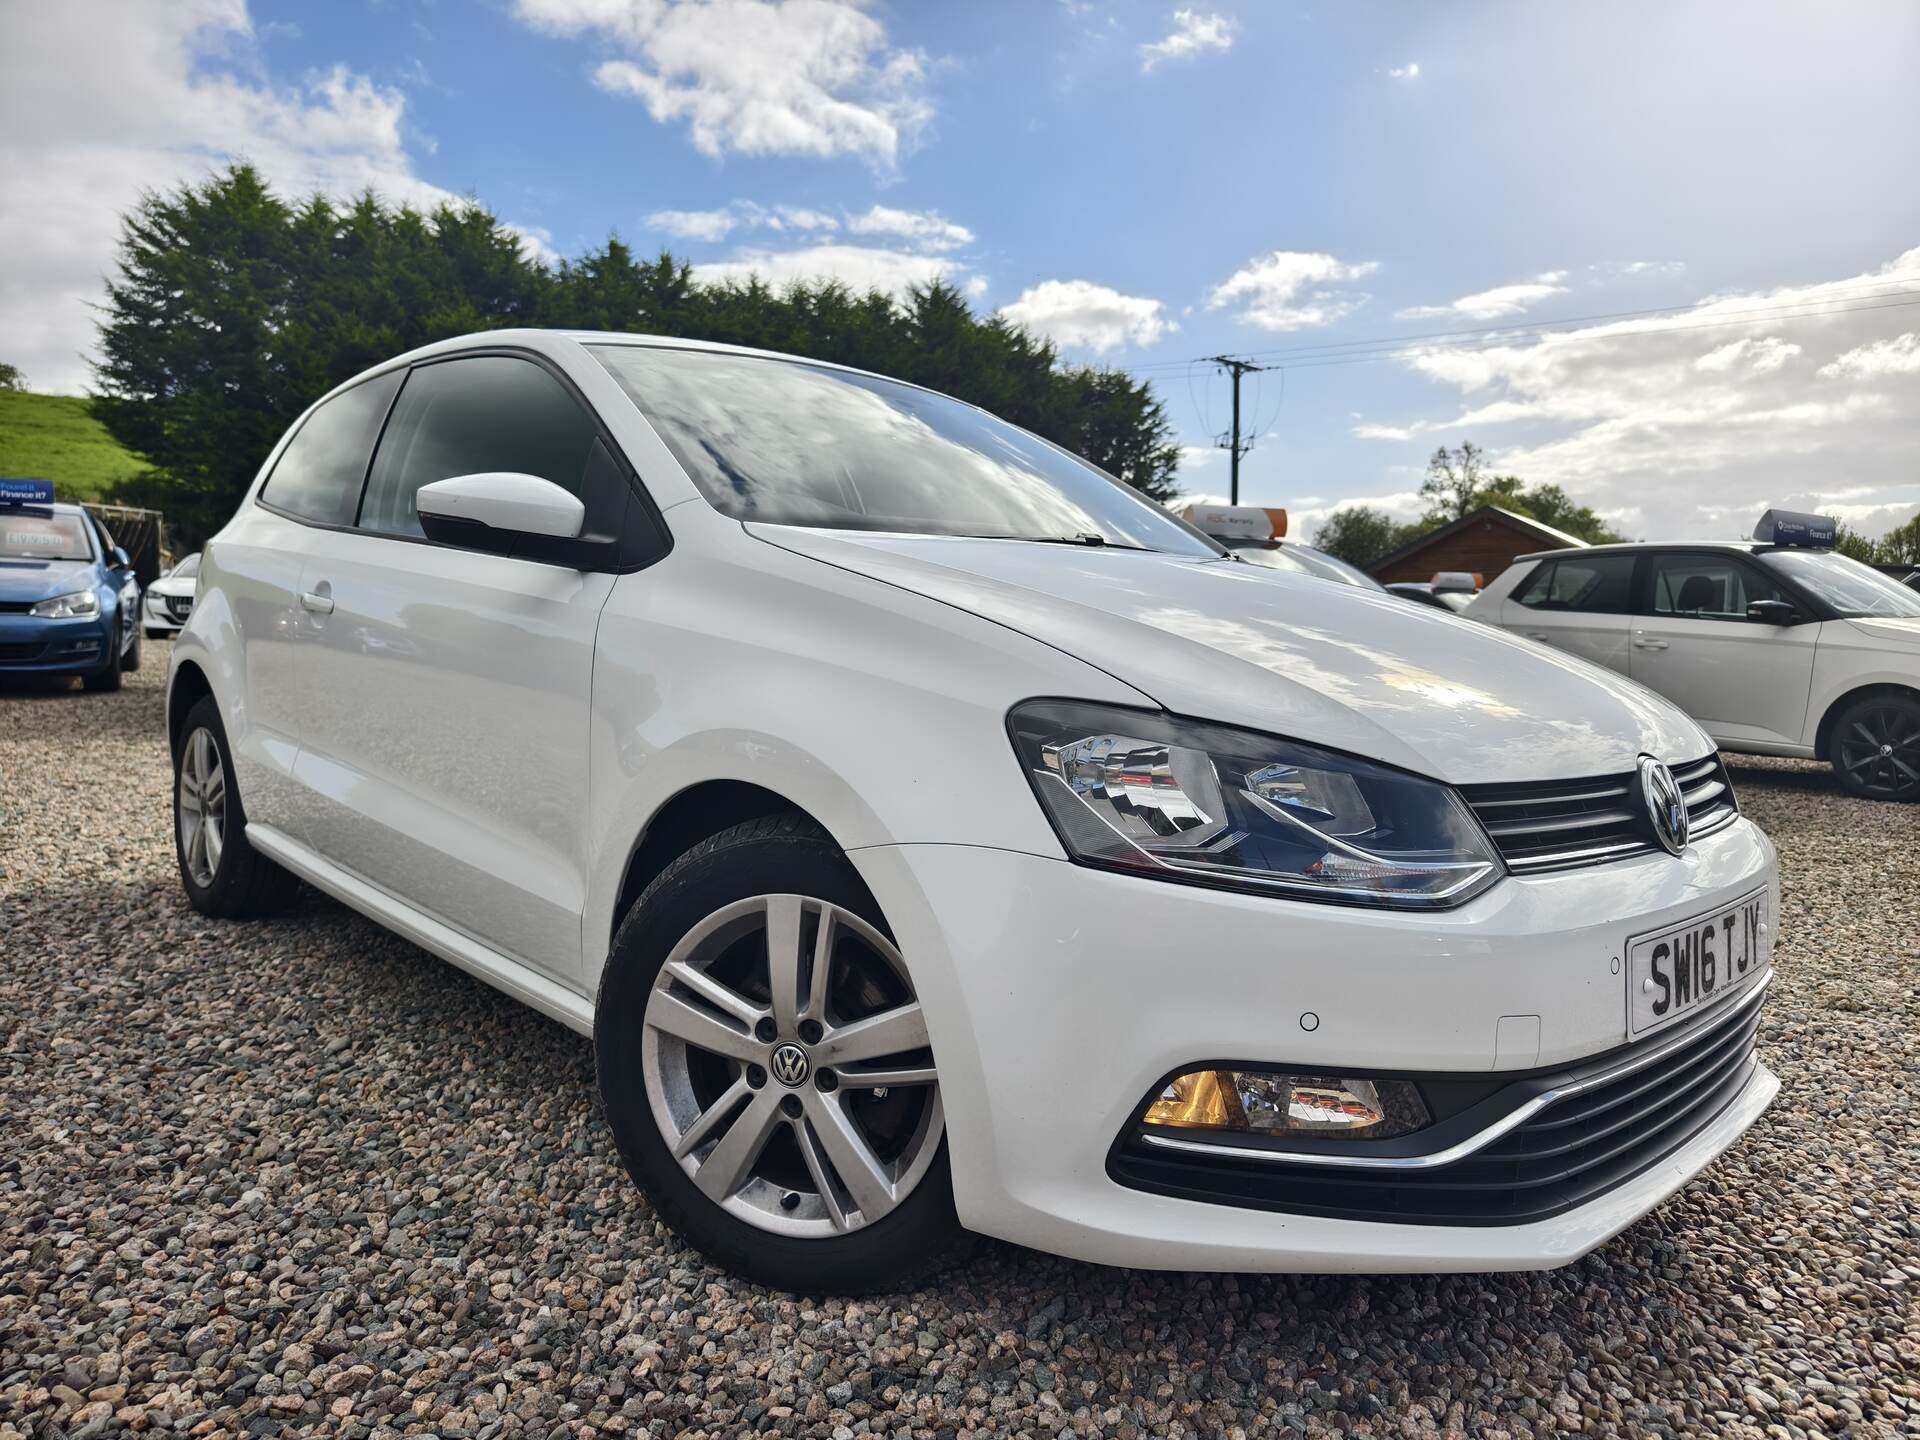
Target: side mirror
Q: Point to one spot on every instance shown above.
(121, 560)
(499, 511)
(1772, 612)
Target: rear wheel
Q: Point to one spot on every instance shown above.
(765, 1066)
(1875, 748)
(223, 875)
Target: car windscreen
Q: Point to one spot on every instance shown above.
(186, 569)
(1856, 591)
(27, 536)
(1303, 560)
(788, 443)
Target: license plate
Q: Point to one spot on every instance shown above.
(1694, 965)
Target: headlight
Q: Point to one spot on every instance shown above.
(1180, 799)
(78, 605)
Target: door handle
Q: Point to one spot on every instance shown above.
(1647, 642)
(316, 602)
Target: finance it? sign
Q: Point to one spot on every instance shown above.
(25, 492)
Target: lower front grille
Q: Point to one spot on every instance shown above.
(21, 652)
(1562, 824)
(178, 606)
(1599, 1126)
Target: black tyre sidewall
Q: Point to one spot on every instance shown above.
(108, 677)
(1847, 782)
(245, 883)
(919, 1236)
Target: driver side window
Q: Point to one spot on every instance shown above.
(481, 413)
(1708, 587)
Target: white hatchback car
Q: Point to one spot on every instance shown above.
(169, 600)
(1776, 649)
(934, 836)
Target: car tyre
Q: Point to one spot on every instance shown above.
(788, 1220)
(224, 876)
(130, 661)
(106, 679)
(1875, 747)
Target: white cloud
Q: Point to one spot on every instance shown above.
(923, 228)
(1408, 71)
(1681, 426)
(757, 77)
(104, 101)
(1080, 315)
(1494, 304)
(859, 267)
(1761, 356)
(1292, 290)
(713, 225)
(694, 224)
(1899, 355)
(1612, 268)
(1193, 35)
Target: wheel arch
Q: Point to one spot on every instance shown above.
(686, 818)
(1823, 735)
(187, 688)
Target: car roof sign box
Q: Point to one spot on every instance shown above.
(1236, 522)
(1790, 527)
(25, 492)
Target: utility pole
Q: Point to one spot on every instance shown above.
(1235, 367)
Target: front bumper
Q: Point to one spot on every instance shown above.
(31, 645)
(157, 618)
(1059, 995)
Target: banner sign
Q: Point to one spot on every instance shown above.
(1789, 527)
(25, 492)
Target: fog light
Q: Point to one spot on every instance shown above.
(1265, 1102)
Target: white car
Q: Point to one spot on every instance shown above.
(935, 836)
(169, 600)
(1775, 649)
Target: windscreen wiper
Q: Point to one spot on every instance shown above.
(1083, 539)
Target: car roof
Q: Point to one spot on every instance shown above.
(1636, 547)
(543, 341)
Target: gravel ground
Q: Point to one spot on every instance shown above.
(300, 1176)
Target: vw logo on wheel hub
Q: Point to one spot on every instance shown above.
(1666, 806)
(789, 1064)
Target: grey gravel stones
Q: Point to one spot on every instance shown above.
(298, 1177)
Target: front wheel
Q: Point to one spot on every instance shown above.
(766, 1070)
(1875, 748)
(107, 679)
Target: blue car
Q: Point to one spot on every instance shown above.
(69, 602)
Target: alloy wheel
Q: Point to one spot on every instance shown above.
(788, 1066)
(202, 807)
(1880, 751)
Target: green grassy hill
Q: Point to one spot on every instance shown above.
(52, 437)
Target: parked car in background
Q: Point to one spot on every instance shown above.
(1449, 590)
(168, 600)
(1777, 647)
(936, 835)
(68, 598)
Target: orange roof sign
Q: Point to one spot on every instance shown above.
(1236, 522)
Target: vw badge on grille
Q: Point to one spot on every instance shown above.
(789, 1064)
(1666, 806)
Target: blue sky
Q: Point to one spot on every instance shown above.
(1147, 182)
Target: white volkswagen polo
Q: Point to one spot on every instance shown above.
(934, 836)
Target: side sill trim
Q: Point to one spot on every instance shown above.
(1460, 1150)
(504, 973)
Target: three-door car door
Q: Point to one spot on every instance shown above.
(1742, 679)
(445, 691)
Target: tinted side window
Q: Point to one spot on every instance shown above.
(1597, 584)
(318, 475)
(1708, 587)
(464, 417)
